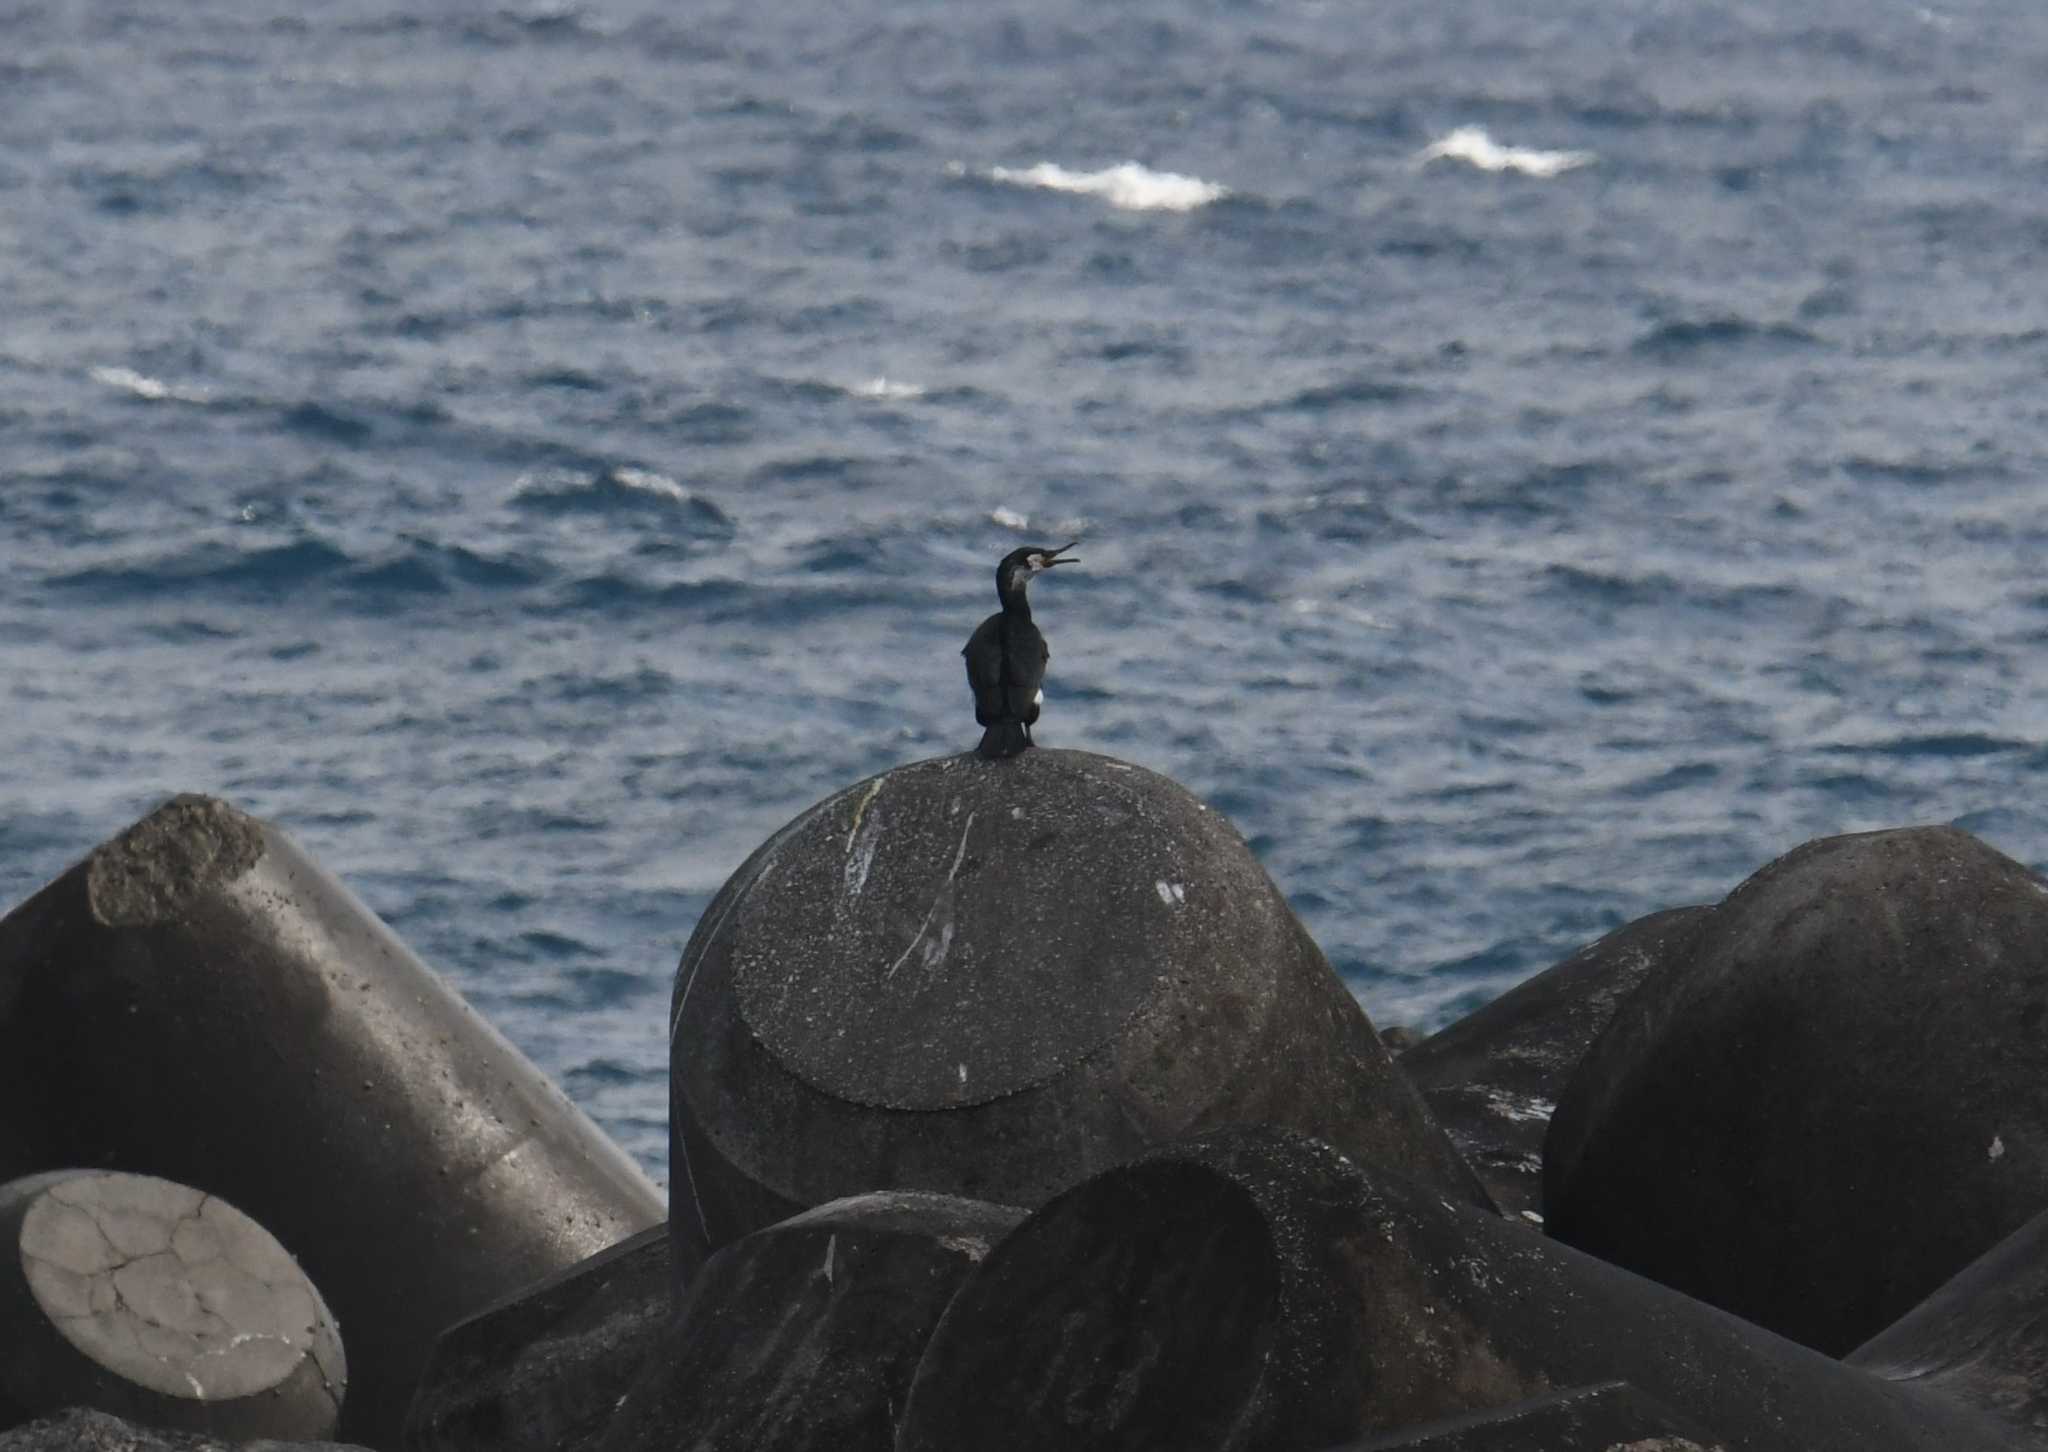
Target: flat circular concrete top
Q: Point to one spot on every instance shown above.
(957, 930)
(170, 1288)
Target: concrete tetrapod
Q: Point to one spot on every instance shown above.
(1982, 1339)
(155, 1301)
(543, 1370)
(1834, 1100)
(1255, 1289)
(199, 1000)
(1493, 1077)
(992, 978)
(803, 1337)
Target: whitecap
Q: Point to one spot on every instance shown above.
(143, 386)
(1473, 144)
(1128, 185)
(886, 388)
(1008, 518)
(649, 482)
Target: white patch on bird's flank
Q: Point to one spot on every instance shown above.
(1170, 893)
(1997, 1146)
(1039, 698)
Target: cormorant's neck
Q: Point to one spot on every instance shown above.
(1015, 605)
(1010, 586)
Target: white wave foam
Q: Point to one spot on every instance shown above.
(1008, 518)
(1128, 185)
(143, 386)
(1473, 144)
(649, 482)
(886, 388)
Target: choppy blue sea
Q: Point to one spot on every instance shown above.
(1530, 471)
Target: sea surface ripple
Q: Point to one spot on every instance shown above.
(1530, 471)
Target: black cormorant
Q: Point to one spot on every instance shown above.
(1006, 655)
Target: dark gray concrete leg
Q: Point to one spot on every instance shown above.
(199, 1000)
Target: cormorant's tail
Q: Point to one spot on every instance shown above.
(1003, 738)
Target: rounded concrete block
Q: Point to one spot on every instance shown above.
(804, 1335)
(1982, 1339)
(199, 1000)
(543, 1370)
(994, 978)
(160, 1303)
(1254, 1289)
(1492, 1078)
(1834, 1100)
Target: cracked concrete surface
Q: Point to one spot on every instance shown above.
(173, 1289)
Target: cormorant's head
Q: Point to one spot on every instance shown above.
(1019, 566)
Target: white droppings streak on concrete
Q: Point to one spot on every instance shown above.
(831, 1249)
(1170, 893)
(862, 857)
(1997, 1146)
(861, 809)
(971, 1246)
(1017, 813)
(1532, 1217)
(963, 1074)
(943, 895)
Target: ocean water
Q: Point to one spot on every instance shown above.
(1529, 471)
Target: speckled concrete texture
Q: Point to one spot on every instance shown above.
(994, 978)
(544, 1369)
(1834, 1101)
(1610, 1417)
(84, 1430)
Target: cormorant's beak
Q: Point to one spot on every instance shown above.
(1054, 558)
